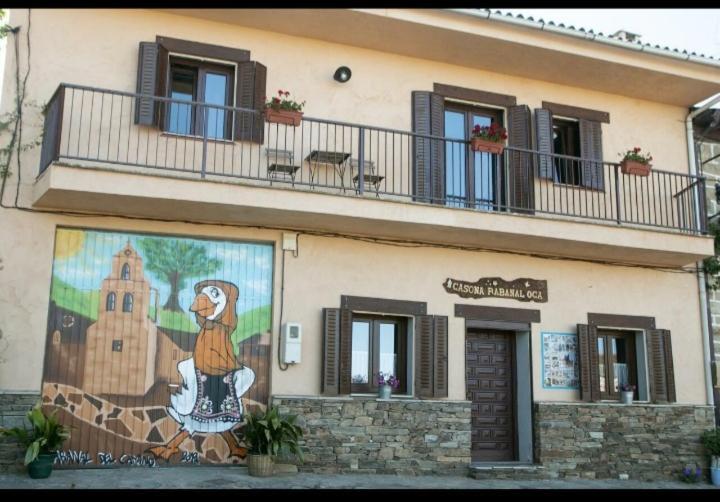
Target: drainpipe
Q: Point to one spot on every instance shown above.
(701, 272)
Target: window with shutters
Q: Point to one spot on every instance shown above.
(197, 80)
(378, 344)
(566, 141)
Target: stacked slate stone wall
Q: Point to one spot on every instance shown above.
(368, 435)
(13, 408)
(606, 440)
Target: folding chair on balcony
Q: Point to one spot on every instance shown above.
(281, 164)
(369, 177)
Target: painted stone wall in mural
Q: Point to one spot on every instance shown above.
(157, 346)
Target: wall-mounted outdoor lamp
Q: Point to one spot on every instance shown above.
(342, 74)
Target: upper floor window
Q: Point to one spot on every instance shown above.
(566, 141)
(125, 273)
(196, 80)
(128, 302)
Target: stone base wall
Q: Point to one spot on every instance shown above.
(13, 408)
(368, 435)
(603, 440)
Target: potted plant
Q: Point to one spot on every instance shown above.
(283, 110)
(386, 383)
(635, 162)
(488, 138)
(627, 391)
(691, 475)
(265, 435)
(41, 441)
(711, 442)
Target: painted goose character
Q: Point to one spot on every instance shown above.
(213, 380)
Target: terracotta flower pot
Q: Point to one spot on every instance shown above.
(634, 167)
(283, 117)
(260, 465)
(484, 145)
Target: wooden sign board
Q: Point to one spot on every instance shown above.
(523, 289)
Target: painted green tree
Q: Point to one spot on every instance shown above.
(174, 260)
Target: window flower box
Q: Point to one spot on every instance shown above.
(287, 117)
(488, 138)
(484, 145)
(635, 162)
(634, 167)
(283, 110)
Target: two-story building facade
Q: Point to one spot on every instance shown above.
(174, 259)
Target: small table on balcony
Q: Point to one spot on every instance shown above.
(338, 160)
(370, 179)
(282, 166)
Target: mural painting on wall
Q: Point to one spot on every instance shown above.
(157, 346)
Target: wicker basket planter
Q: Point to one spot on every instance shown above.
(283, 117)
(634, 167)
(483, 145)
(260, 465)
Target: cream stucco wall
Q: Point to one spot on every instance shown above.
(326, 268)
(99, 48)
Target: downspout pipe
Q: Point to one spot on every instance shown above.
(706, 334)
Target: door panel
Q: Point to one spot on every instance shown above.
(489, 383)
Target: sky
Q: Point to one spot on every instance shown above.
(694, 30)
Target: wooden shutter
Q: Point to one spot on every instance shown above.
(163, 87)
(250, 94)
(428, 117)
(660, 366)
(331, 352)
(424, 355)
(440, 370)
(345, 351)
(593, 173)
(147, 72)
(588, 361)
(544, 141)
(520, 166)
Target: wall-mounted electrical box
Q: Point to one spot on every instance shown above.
(291, 343)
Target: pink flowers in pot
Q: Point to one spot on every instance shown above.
(636, 155)
(387, 379)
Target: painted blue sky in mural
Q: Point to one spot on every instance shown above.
(247, 265)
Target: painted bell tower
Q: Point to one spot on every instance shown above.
(121, 345)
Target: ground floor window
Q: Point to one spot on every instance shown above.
(379, 344)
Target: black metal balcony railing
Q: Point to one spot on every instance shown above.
(86, 125)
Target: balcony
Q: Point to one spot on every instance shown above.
(209, 163)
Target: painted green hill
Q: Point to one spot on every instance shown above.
(86, 303)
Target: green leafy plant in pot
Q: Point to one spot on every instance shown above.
(265, 435)
(711, 442)
(44, 437)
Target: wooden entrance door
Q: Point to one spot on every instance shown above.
(489, 382)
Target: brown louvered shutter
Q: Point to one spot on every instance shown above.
(544, 142)
(593, 175)
(660, 366)
(162, 87)
(424, 355)
(250, 94)
(147, 72)
(520, 165)
(428, 117)
(331, 352)
(588, 359)
(345, 351)
(440, 371)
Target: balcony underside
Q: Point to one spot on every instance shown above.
(107, 191)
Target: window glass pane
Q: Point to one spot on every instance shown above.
(484, 163)
(388, 355)
(455, 189)
(215, 93)
(360, 352)
(182, 87)
(566, 141)
(601, 363)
